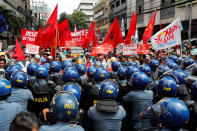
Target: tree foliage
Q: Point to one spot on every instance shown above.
(77, 18)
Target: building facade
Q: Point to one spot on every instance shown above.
(86, 6)
(21, 8)
(101, 13)
(167, 11)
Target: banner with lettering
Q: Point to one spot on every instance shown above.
(99, 49)
(168, 37)
(32, 49)
(28, 36)
(143, 49)
(69, 44)
(129, 49)
(119, 48)
(78, 35)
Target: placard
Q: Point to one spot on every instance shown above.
(119, 48)
(76, 50)
(32, 49)
(28, 36)
(129, 49)
(143, 49)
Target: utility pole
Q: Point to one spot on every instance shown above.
(190, 22)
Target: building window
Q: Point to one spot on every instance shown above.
(140, 10)
(123, 1)
(117, 3)
(167, 12)
(112, 6)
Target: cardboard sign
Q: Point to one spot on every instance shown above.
(129, 49)
(119, 48)
(143, 49)
(32, 49)
(28, 36)
(76, 50)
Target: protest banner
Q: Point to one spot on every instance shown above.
(168, 37)
(143, 49)
(78, 35)
(28, 36)
(108, 47)
(119, 48)
(129, 49)
(69, 44)
(32, 49)
(99, 49)
(76, 50)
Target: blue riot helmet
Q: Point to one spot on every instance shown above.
(73, 88)
(133, 63)
(66, 64)
(140, 80)
(169, 60)
(181, 76)
(194, 91)
(174, 113)
(55, 66)
(70, 74)
(174, 58)
(42, 72)
(101, 74)
(81, 68)
(194, 70)
(154, 63)
(91, 71)
(43, 60)
(187, 62)
(116, 65)
(172, 65)
(122, 73)
(131, 70)
(179, 61)
(98, 64)
(18, 79)
(64, 106)
(160, 71)
(167, 86)
(108, 89)
(47, 65)
(146, 69)
(31, 68)
(11, 69)
(5, 87)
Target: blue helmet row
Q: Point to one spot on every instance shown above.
(18, 79)
(42, 72)
(131, 70)
(116, 65)
(70, 74)
(91, 71)
(122, 73)
(146, 69)
(73, 88)
(154, 63)
(101, 74)
(11, 69)
(81, 68)
(55, 66)
(31, 68)
(66, 64)
(5, 87)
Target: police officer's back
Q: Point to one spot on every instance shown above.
(107, 114)
(8, 111)
(64, 110)
(115, 66)
(19, 93)
(31, 71)
(137, 100)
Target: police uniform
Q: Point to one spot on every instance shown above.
(136, 102)
(107, 121)
(114, 75)
(60, 126)
(123, 89)
(8, 112)
(20, 96)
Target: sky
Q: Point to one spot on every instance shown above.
(67, 6)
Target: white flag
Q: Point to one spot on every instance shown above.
(168, 37)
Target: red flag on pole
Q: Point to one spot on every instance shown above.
(64, 32)
(38, 40)
(160, 25)
(149, 29)
(114, 34)
(50, 33)
(18, 51)
(132, 29)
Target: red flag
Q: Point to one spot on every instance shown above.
(18, 51)
(64, 32)
(149, 29)
(50, 34)
(114, 34)
(38, 40)
(90, 38)
(160, 25)
(132, 29)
